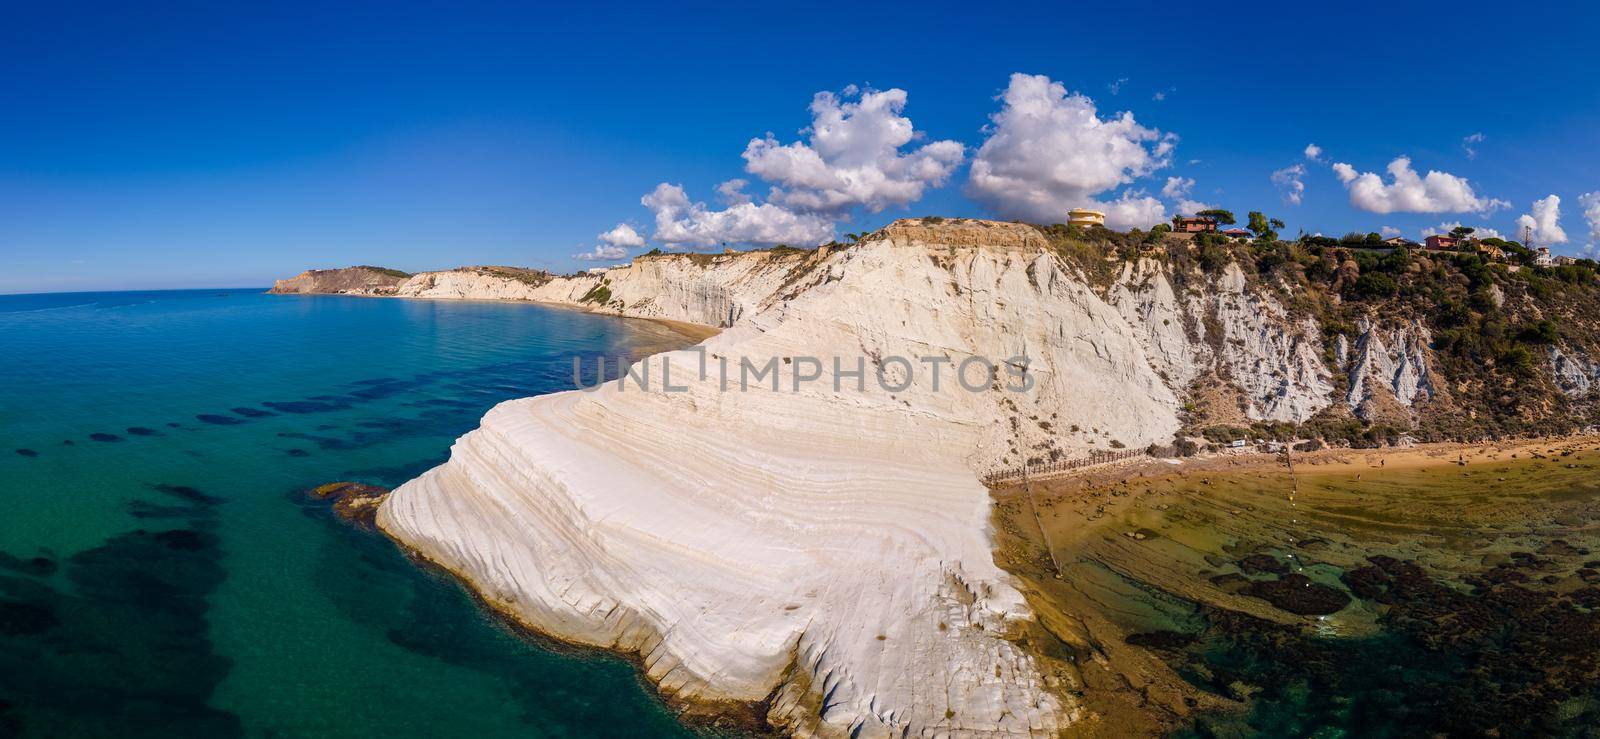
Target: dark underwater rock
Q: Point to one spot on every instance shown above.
(1160, 639)
(19, 619)
(101, 436)
(307, 406)
(1231, 582)
(1260, 564)
(116, 644)
(1297, 594)
(217, 420)
(188, 494)
(27, 453)
(36, 566)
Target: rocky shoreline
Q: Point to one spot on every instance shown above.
(1421, 558)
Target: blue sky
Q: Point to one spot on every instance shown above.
(195, 145)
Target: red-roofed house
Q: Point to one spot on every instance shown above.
(1198, 224)
(1441, 242)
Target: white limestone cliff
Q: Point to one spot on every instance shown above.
(711, 290)
(1388, 364)
(473, 283)
(1276, 362)
(828, 549)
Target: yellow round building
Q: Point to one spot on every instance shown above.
(1085, 218)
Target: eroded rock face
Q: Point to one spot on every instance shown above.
(1229, 329)
(1389, 365)
(711, 290)
(1276, 361)
(1576, 374)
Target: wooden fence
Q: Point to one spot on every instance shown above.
(1059, 466)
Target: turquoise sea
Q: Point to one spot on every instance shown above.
(161, 573)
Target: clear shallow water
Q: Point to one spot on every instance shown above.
(160, 573)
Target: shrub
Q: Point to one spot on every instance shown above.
(1541, 332)
(1376, 285)
(1213, 258)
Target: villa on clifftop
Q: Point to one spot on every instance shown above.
(1198, 224)
(1441, 242)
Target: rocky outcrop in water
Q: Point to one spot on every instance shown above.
(354, 502)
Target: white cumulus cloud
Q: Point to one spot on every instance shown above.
(853, 157)
(1314, 152)
(1389, 231)
(1177, 187)
(1544, 222)
(1409, 192)
(623, 236)
(614, 244)
(601, 253)
(1133, 210)
(682, 222)
(1590, 201)
(1178, 190)
(732, 191)
(1290, 181)
(857, 153)
(1049, 151)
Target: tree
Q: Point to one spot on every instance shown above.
(1262, 226)
(1224, 217)
(1461, 232)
